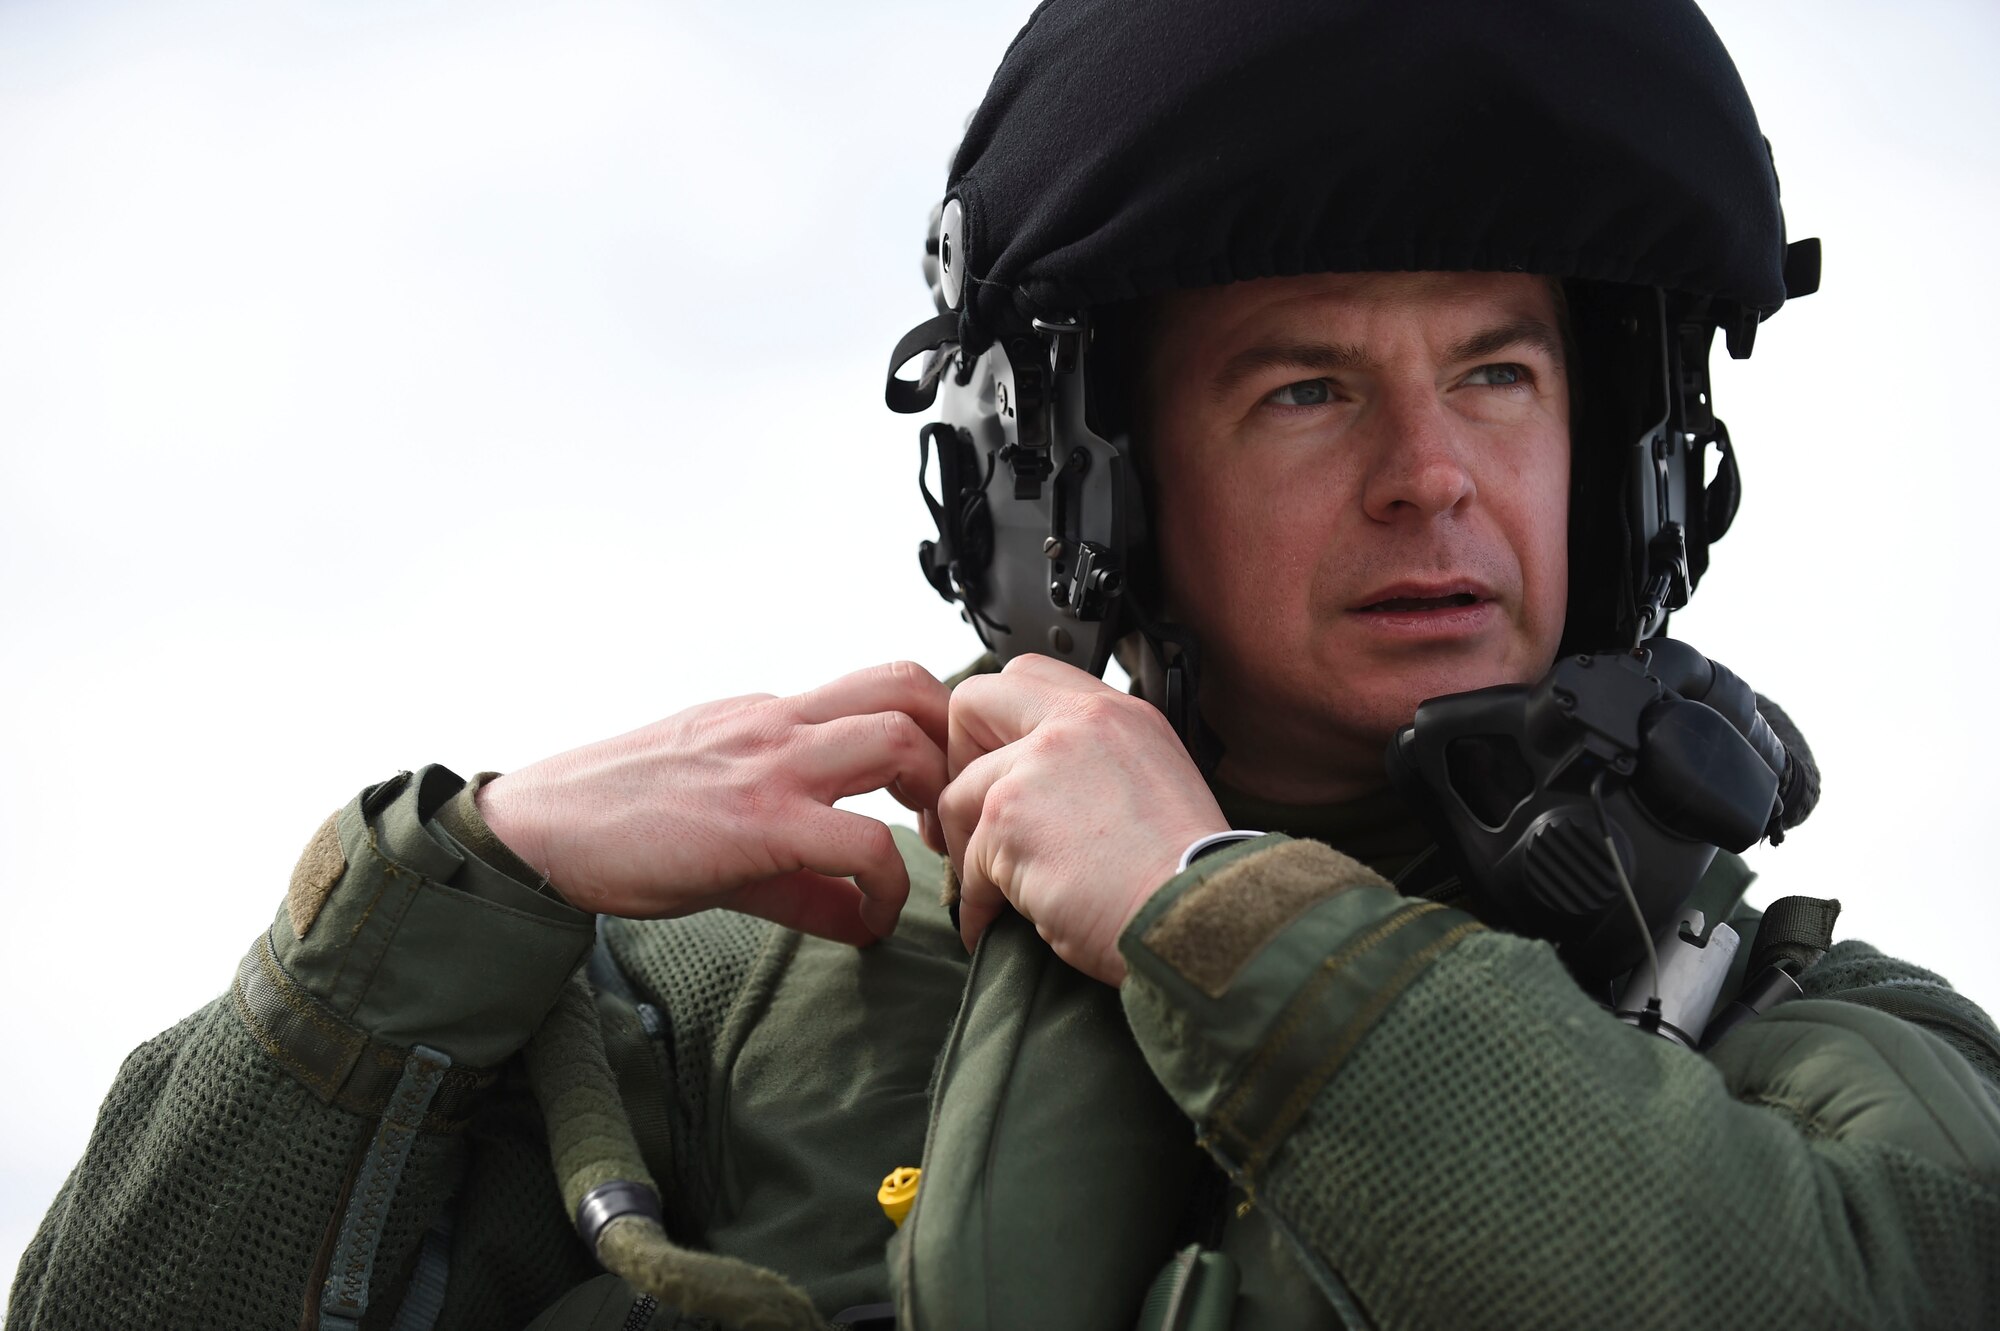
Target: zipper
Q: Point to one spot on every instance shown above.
(641, 1315)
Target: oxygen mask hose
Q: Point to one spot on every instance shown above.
(612, 1196)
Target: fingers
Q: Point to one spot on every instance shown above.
(960, 810)
(900, 686)
(989, 712)
(819, 897)
(976, 914)
(851, 755)
(852, 845)
(810, 902)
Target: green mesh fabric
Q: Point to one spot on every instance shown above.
(692, 969)
(1634, 1191)
(513, 1250)
(1854, 972)
(210, 1170)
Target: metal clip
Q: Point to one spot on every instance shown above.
(1062, 333)
(1093, 584)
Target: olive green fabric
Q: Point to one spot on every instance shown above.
(219, 1167)
(1854, 972)
(1054, 1170)
(591, 1142)
(819, 1087)
(494, 868)
(1219, 924)
(604, 1304)
(1479, 1145)
(1437, 1129)
(405, 946)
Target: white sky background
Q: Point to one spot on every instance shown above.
(385, 383)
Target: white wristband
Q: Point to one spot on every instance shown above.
(1205, 844)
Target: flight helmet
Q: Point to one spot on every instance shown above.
(1125, 150)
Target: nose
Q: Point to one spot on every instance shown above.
(1418, 461)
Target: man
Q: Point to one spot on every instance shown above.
(1369, 487)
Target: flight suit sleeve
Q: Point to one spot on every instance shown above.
(276, 1159)
(1451, 1133)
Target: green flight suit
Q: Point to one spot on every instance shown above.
(1424, 1122)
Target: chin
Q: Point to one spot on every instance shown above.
(1372, 716)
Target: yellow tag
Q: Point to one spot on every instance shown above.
(899, 1192)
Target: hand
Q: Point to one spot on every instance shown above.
(730, 804)
(1069, 800)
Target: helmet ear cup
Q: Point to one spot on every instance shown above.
(1617, 399)
(1642, 512)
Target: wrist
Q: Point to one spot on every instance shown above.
(510, 817)
(1112, 969)
(1210, 843)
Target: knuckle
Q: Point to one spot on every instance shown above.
(970, 694)
(955, 805)
(1097, 707)
(874, 841)
(764, 735)
(1108, 708)
(1003, 798)
(899, 731)
(747, 704)
(744, 803)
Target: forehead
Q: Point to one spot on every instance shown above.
(1366, 311)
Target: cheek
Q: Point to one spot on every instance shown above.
(1268, 558)
(1203, 555)
(1544, 547)
(1185, 525)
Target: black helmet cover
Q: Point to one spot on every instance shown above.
(1126, 148)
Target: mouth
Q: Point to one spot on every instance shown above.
(1428, 612)
(1408, 604)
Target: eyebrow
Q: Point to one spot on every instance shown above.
(1333, 357)
(1528, 332)
(1321, 357)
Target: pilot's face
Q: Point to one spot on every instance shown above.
(1362, 502)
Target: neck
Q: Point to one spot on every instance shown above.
(1295, 764)
(1378, 829)
(1318, 784)
(1274, 762)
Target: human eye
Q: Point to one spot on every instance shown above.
(1304, 393)
(1503, 375)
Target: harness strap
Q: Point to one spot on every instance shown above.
(345, 1296)
(912, 395)
(425, 1299)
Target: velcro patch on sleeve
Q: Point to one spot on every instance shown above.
(1220, 923)
(318, 869)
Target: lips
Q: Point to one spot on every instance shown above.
(1408, 603)
(1415, 598)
